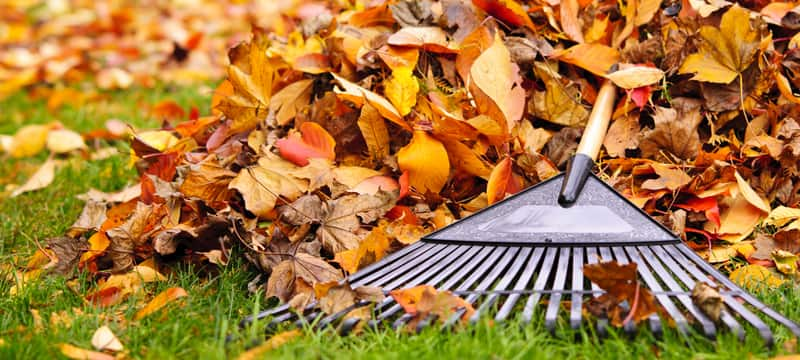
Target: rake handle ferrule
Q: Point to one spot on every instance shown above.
(580, 166)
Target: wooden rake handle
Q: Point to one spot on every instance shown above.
(580, 166)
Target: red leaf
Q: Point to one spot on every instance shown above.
(640, 95)
(708, 205)
(403, 180)
(312, 142)
(404, 213)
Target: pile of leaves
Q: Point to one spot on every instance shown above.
(115, 44)
(351, 129)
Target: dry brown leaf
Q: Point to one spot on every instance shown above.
(39, 180)
(263, 184)
(675, 131)
(623, 134)
(104, 339)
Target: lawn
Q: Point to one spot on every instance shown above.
(52, 310)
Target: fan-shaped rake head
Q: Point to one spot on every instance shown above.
(505, 281)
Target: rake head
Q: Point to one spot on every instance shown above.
(502, 272)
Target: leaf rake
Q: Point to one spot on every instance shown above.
(527, 253)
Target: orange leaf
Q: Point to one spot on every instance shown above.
(167, 109)
(160, 301)
(595, 58)
(425, 159)
(314, 142)
(74, 352)
(423, 300)
(274, 342)
(499, 181)
(708, 205)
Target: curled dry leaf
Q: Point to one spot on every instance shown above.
(621, 284)
(104, 339)
(425, 300)
(708, 300)
(39, 180)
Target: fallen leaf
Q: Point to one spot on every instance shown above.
(62, 141)
(631, 77)
(373, 248)
(785, 261)
(313, 141)
(623, 134)
(669, 178)
(495, 75)
(273, 343)
(426, 161)
(161, 300)
(675, 131)
(501, 182)
(359, 96)
(104, 339)
(509, 11)
(621, 284)
(39, 180)
(755, 276)
(595, 58)
(708, 299)
(724, 52)
(376, 135)
(559, 103)
(401, 89)
(424, 300)
(263, 184)
(77, 353)
(750, 195)
(28, 141)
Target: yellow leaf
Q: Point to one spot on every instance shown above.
(785, 261)
(160, 301)
(465, 158)
(738, 220)
(750, 194)
(782, 215)
(370, 250)
(726, 51)
(376, 135)
(359, 95)
(289, 100)
(753, 276)
(497, 185)
(28, 141)
(559, 103)
(401, 89)
(426, 161)
(273, 343)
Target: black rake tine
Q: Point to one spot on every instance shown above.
(709, 329)
(509, 275)
(593, 258)
(391, 259)
(576, 299)
(389, 271)
(462, 271)
(622, 259)
(762, 327)
(421, 272)
(541, 281)
(487, 281)
(521, 284)
(551, 314)
(726, 317)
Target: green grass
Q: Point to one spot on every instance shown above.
(197, 327)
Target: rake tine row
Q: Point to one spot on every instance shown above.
(493, 279)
